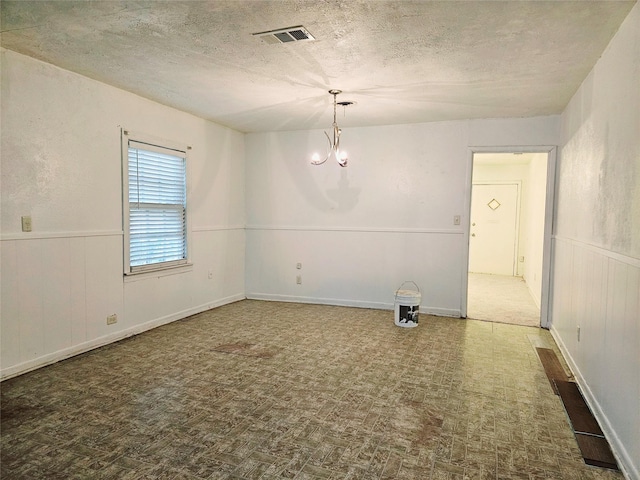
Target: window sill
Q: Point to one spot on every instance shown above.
(160, 272)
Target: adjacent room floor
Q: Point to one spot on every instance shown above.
(272, 390)
(501, 298)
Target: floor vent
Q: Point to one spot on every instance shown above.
(593, 445)
(285, 35)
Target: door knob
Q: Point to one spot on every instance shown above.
(473, 234)
(473, 224)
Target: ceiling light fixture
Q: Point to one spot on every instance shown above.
(334, 151)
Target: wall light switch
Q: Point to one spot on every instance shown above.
(456, 219)
(26, 223)
(299, 279)
(298, 266)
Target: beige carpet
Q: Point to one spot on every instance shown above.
(500, 298)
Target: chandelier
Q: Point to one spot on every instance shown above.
(333, 151)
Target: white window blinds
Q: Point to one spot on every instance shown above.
(157, 207)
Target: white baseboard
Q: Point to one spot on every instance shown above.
(319, 301)
(619, 451)
(533, 295)
(441, 312)
(444, 312)
(74, 350)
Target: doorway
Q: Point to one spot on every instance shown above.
(509, 236)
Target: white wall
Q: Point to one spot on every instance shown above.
(360, 232)
(61, 164)
(597, 241)
(535, 217)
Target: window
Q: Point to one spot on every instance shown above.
(155, 184)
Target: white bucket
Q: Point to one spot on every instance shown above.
(407, 306)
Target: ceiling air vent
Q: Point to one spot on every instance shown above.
(285, 35)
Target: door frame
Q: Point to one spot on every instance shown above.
(516, 247)
(547, 245)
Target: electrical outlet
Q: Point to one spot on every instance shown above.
(299, 279)
(456, 219)
(111, 319)
(26, 223)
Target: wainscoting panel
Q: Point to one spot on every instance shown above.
(595, 312)
(57, 292)
(361, 268)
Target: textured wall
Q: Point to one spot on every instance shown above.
(597, 244)
(61, 165)
(388, 217)
(600, 167)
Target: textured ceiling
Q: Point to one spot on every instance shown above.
(400, 61)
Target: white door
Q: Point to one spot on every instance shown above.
(492, 244)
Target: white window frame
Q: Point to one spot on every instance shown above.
(160, 146)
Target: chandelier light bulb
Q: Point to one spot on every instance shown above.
(343, 158)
